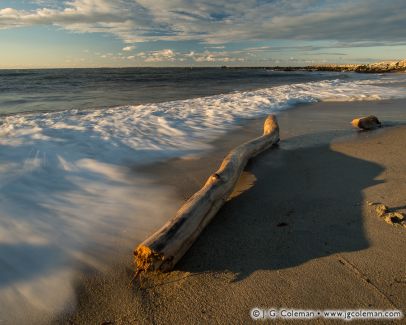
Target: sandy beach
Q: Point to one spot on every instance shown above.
(299, 232)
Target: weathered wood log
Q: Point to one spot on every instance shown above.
(162, 250)
(366, 123)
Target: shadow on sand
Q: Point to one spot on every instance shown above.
(305, 204)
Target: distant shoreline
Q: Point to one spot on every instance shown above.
(378, 67)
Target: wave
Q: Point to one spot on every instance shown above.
(68, 189)
(168, 128)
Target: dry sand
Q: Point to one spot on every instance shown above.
(299, 233)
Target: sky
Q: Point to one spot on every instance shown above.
(121, 33)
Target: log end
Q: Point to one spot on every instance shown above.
(146, 259)
(271, 125)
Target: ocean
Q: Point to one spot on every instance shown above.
(70, 140)
(64, 89)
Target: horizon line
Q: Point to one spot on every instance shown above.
(194, 67)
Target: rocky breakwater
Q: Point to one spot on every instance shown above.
(378, 67)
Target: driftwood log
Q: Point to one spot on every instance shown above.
(162, 250)
(366, 123)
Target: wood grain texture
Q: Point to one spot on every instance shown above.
(163, 249)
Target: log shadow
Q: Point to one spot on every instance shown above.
(305, 204)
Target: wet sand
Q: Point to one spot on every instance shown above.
(299, 233)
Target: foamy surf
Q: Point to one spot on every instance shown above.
(68, 193)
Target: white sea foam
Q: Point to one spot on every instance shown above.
(68, 194)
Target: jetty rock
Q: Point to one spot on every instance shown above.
(377, 67)
(385, 66)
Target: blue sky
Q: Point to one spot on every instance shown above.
(94, 33)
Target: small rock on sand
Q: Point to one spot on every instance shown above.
(381, 209)
(366, 123)
(394, 218)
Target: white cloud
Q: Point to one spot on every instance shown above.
(224, 56)
(128, 48)
(10, 12)
(166, 55)
(216, 47)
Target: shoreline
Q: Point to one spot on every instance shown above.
(308, 132)
(196, 170)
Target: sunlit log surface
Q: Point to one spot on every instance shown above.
(162, 250)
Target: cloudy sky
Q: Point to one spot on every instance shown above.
(94, 33)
